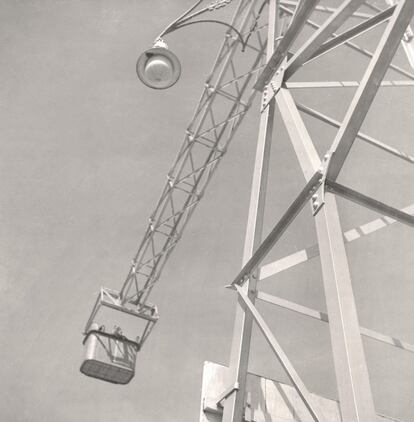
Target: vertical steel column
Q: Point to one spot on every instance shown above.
(234, 405)
(350, 365)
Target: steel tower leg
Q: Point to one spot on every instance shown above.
(234, 405)
(350, 365)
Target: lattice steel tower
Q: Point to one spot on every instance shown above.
(246, 65)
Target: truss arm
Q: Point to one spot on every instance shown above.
(215, 122)
(227, 96)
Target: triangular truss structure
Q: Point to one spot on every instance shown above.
(227, 96)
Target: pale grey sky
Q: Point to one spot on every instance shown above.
(84, 153)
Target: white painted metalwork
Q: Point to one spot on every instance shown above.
(239, 359)
(206, 141)
(225, 100)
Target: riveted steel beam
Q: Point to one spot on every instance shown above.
(302, 12)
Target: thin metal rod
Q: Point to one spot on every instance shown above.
(322, 316)
(353, 32)
(345, 84)
(186, 13)
(304, 255)
(369, 86)
(302, 12)
(282, 357)
(354, 46)
(370, 203)
(279, 229)
(368, 139)
(182, 25)
(327, 9)
(314, 43)
(352, 376)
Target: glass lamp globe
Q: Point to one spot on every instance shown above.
(158, 67)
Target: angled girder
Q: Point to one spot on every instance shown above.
(310, 252)
(313, 44)
(368, 139)
(408, 40)
(370, 203)
(352, 33)
(365, 94)
(280, 227)
(362, 50)
(294, 377)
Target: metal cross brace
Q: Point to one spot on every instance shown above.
(298, 384)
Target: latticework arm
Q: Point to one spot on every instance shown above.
(225, 100)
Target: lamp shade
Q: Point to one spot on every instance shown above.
(158, 67)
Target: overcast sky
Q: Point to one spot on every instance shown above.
(85, 149)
